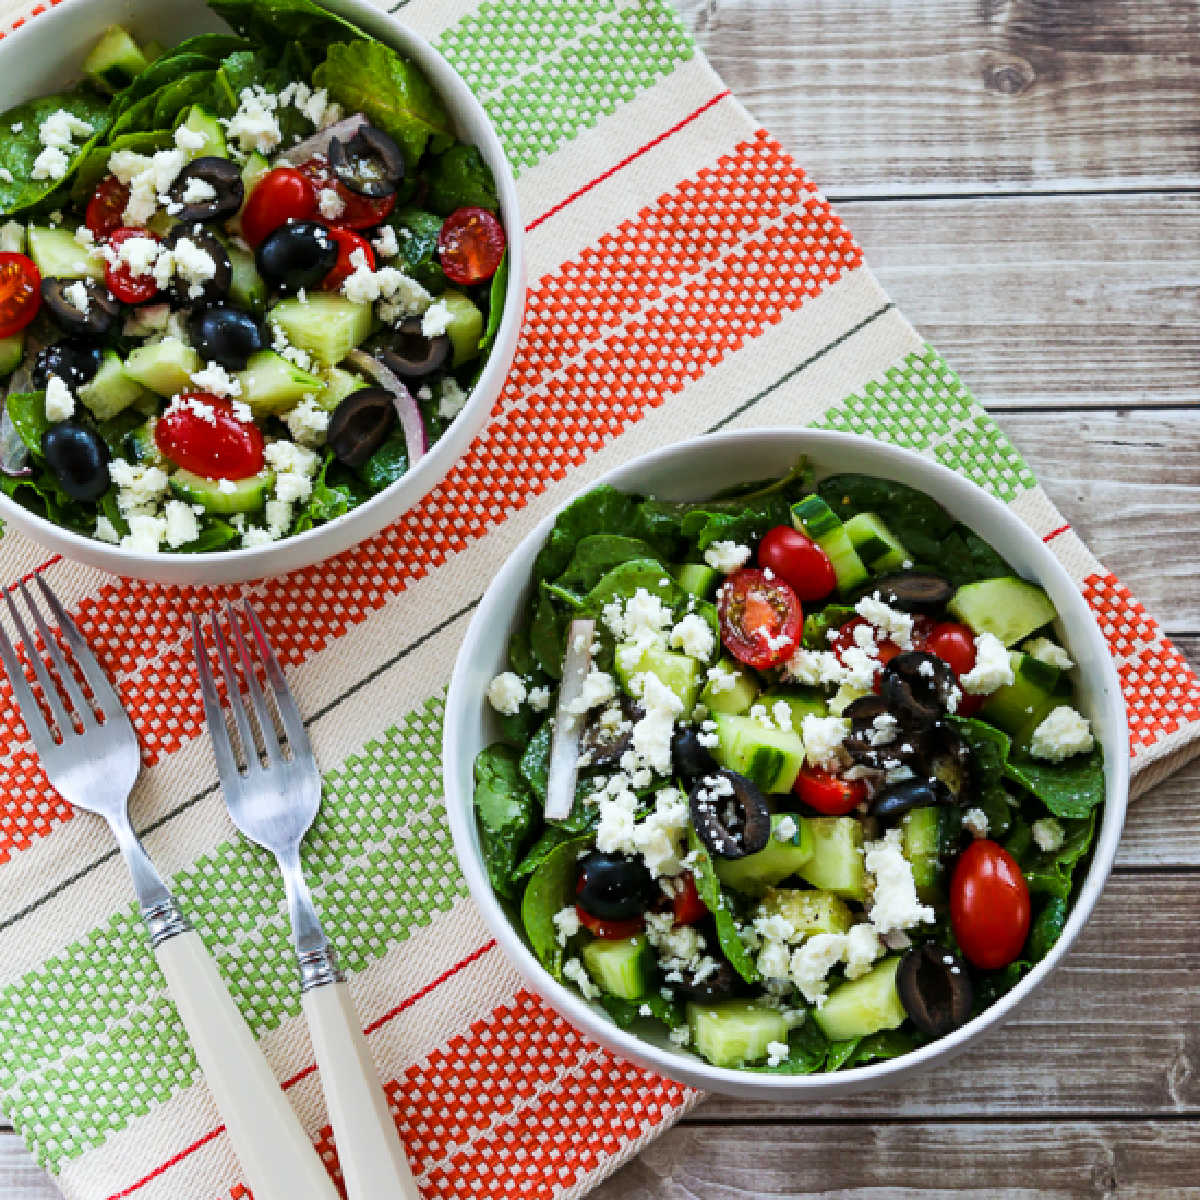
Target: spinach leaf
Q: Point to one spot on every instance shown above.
(818, 624)
(797, 482)
(506, 814)
(706, 524)
(328, 499)
(1072, 788)
(989, 755)
(548, 840)
(215, 535)
(19, 190)
(855, 1053)
(390, 91)
(93, 166)
(551, 888)
(808, 1048)
(41, 493)
(601, 510)
(548, 635)
(627, 1013)
(1047, 928)
(460, 178)
(520, 655)
(534, 766)
(417, 236)
(112, 510)
(387, 464)
(596, 554)
(708, 887)
(241, 70)
(495, 303)
(27, 410)
(1051, 873)
(272, 22)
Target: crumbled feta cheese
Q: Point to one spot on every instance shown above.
(198, 191)
(861, 949)
(139, 487)
(975, 822)
(192, 139)
(284, 348)
(574, 970)
(726, 557)
(777, 1052)
(1052, 654)
(330, 203)
(214, 378)
(598, 688)
(386, 245)
(190, 262)
(681, 1035)
(436, 320)
(307, 423)
(147, 177)
(721, 679)
(992, 668)
(812, 962)
(661, 837)
(400, 296)
(452, 399)
(539, 699)
(61, 128)
(895, 625)
(694, 636)
(652, 734)
(506, 693)
(6, 175)
(1063, 733)
(787, 829)
(254, 126)
(823, 738)
(566, 924)
(105, 531)
(254, 538)
(146, 533)
(894, 902)
(181, 524)
(1048, 834)
(60, 404)
(51, 163)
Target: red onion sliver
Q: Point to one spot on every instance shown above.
(318, 143)
(568, 724)
(416, 440)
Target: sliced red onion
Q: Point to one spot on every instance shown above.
(568, 724)
(416, 440)
(318, 143)
(14, 454)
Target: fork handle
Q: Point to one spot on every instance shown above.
(369, 1151)
(279, 1161)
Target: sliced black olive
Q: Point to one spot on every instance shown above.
(604, 741)
(93, 319)
(898, 798)
(862, 712)
(935, 989)
(730, 814)
(917, 687)
(949, 759)
(226, 335)
(359, 425)
(914, 591)
(715, 985)
(414, 356)
(218, 176)
(368, 163)
(79, 459)
(613, 887)
(297, 255)
(689, 756)
(74, 361)
(184, 292)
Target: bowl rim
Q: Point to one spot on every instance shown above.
(947, 487)
(245, 563)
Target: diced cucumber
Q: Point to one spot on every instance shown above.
(115, 60)
(271, 384)
(921, 844)
(778, 859)
(57, 254)
(325, 324)
(246, 287)
(836, 864)
(199, 120)
(676, 671)
(139, 444)
(812, 516)
(12, 237)
(245, 495)
(808, 912)
(464, 328)
(1021, 706)
(110, 390)
(698, 579)
(801, 702)
(164, 367)
(878, 547)
(771, 758)
(12, 350)
(736, 699)
(846, 695)
(1008, 607)
(622, 967)
(732, 1033)
(253, 169)
(338, 385)
(863, 1006)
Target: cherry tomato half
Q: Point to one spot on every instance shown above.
(106, 208)
(688, 906)
(347, 242)
(954, 644)
(884, 648)
(608, 929)
(121, 280)
(471, 246)
(200, 433)
(798, 561)
(761, 619)
(282, 195)
(827, 793)
(357, 212)
(20, 292)
(989, 905)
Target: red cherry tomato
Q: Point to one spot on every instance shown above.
(106, 207)
(829, 794)
(954, 644)
(989, 905)
(689, 908)
(885, 649)
(471, 246)
(358, 212)
(347, 243)
(798, 561)
(761, 619)
(282, 195)
(610, 930)
(121, 281)
(20, 292)
(200, 433)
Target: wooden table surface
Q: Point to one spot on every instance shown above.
(1025, 178)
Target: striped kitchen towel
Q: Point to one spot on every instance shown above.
(685, 276)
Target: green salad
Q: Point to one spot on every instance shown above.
(245, 282)
(796, 775)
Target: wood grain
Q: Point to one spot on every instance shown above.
(903, 97)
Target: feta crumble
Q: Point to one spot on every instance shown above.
(975, 822)
(506, 693)
(694, 636)
(60, 404)
(894, 902)
(1048, 834)
(1062, 734)
(992, 669)
(726, 557)
(1052, 654)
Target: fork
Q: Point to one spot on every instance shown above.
(274, 804)
(94, 767)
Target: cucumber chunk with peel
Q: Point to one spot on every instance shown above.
(55, 252)
(878, 547)
(464, 328)
(111, 390)
(272, 385)
(836, 864)
(814, 518)
(678, 672)
(326, 325)
(771, 758)
(863, 1006)
(756, 873)
(808, 912)
(238, 496)
(733, 699)
(732, 1033)
(164, 367)
(622, 967)
(1008, 607)
(115, 60)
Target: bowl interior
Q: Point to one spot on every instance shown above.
(45, 55)
(721, 461)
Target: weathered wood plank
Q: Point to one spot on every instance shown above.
(1048, 300)
(894, 97)
(20, 1177)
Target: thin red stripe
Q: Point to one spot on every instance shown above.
(662, 137)
(54, 558)
(1055, 532)
(408, 1002)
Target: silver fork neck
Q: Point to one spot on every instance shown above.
(160, 910)
(316, 957)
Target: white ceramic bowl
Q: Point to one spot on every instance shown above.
(45, 54)
(723, 460)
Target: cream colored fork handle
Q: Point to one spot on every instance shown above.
(275, 1153)
(368, 1146)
